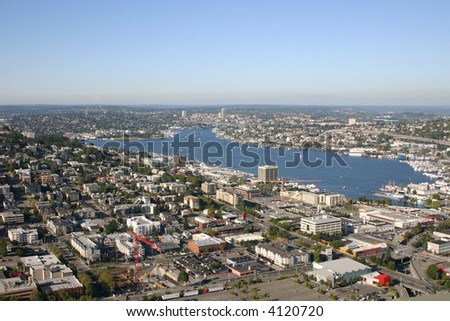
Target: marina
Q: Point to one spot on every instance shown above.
(360, 176)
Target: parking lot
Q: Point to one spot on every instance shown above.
(277, 290)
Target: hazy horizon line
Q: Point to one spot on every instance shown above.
(218, 105)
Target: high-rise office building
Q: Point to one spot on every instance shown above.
(268, 173)
(222, 113)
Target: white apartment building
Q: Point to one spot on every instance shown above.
(23, 236)
(126, 247)
(227, 196)
(281, 254)
(142, 225)
(87, 247)
(209, 188)
(9, 217)
(192, 201)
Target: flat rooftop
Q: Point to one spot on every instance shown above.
(366, 239)
(343, 266)
(320, 219)
(40, 260)
(66, 283)
(439, 242)
(257, 236)
(13, 285)
(241, 259)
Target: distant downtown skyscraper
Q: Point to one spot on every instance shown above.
(222, 113)
(268, 173)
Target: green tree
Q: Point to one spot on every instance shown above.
(436, 196)
(152, 297)
(336, 244)
(433, 272)
(316, 256)
(166, 177)
(443, 225)
(86, 280)
(3, 248)
(391, 265)
(64, 295)
(107, 280)
(387, 254)
(111, 227)
(183, 277)
(37, 295)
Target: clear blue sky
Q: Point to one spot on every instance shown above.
(225, 52)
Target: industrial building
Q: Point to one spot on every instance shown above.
(441, 246)
(203, 243)
(364, 245)
(168, 243)
(423, 189)
(334, 271)
(442, 234)
(376, 278)
(202, 221)
(230, 229)
(326, 224)
(242, 265)
(240, 260)
(268, 173)
(373, 227)
(68, 284)
(248, 237)
(399, 220)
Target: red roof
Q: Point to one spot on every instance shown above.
(383, 278)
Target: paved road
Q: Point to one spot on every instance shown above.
(409, 281)
(422, 261)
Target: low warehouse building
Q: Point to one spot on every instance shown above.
(338, 270)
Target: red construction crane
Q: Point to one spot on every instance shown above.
(137, 239)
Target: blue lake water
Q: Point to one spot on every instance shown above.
(360, 177)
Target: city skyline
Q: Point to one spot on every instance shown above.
(203, 53)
